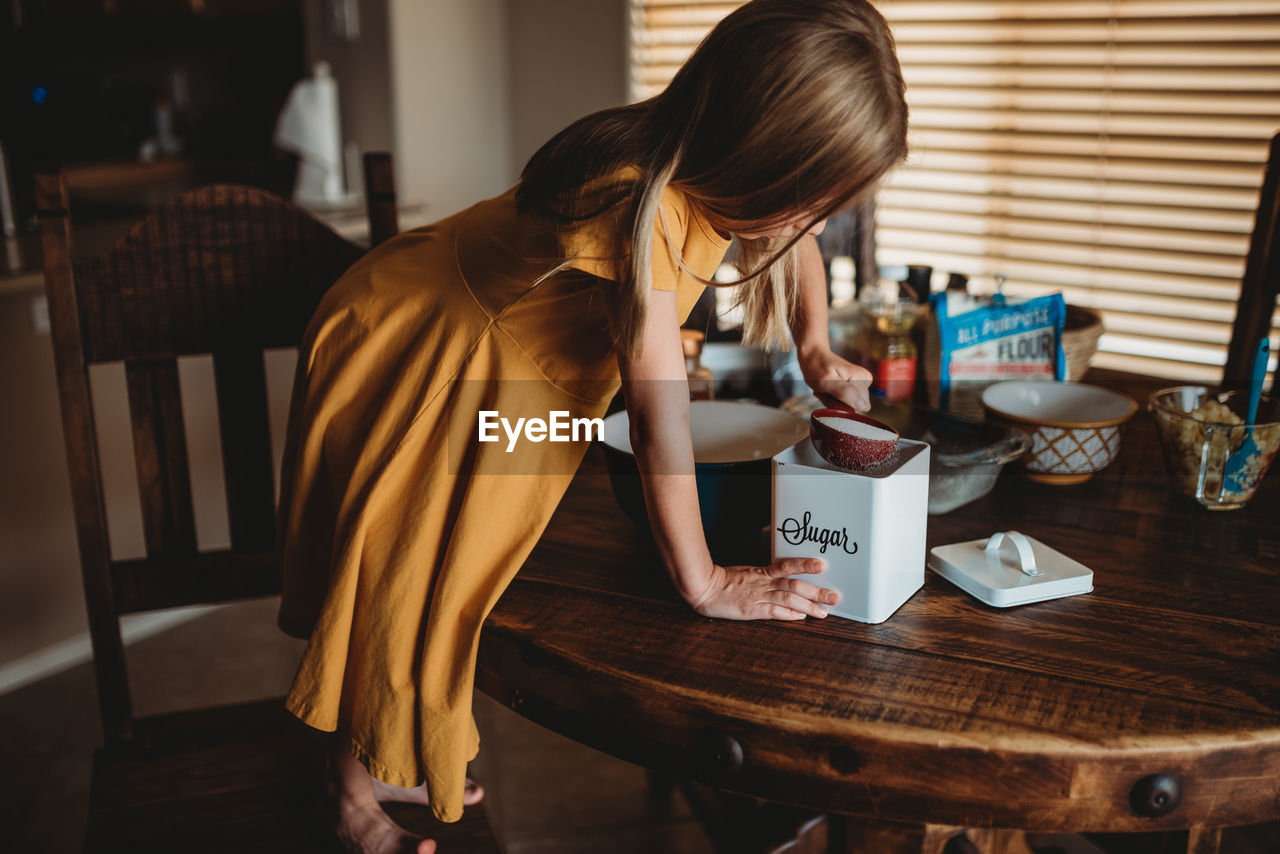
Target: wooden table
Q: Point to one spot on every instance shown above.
(1152, 703)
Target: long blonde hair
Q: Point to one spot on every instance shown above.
(787, 106)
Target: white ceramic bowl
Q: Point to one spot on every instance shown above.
(1074, 428)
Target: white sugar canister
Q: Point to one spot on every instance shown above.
(868, 526)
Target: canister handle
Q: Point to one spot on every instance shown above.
(1026, 557)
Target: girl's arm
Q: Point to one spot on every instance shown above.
(657, 394)
(822, 369)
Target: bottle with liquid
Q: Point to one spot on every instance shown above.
(888, 349)
(702, 382)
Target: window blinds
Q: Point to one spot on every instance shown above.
(1109, 149)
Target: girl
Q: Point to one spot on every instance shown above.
(398, 538)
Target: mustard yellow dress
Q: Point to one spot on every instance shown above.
(398, 530)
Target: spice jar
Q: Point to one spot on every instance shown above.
(702, 382)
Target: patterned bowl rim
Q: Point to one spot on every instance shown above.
(1070, 425)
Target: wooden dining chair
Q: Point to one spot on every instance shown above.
(226, 271)
(380, 197)
(1261, 282)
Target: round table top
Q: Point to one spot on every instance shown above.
(1151, 703)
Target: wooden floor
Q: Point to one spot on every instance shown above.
(544, 793)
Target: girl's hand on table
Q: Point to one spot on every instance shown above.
(764, 592)
(824, 371)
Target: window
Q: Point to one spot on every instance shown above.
(1109, 149)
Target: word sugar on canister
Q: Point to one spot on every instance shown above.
(869, 526)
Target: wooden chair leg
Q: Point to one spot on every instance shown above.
(661, 785)
(999, 840)
(1204, 840)
(736, 824)
(851, 835)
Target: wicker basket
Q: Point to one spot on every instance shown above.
(1080, 336)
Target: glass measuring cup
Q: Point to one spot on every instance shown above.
(1201, 430)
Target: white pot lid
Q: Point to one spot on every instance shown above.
(1009, 568)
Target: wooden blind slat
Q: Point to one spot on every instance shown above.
(1182, 329)
(1084, 233)
(1159, 149)
(1093, 100)
(1180, 265)
(1066, 155)
(1189, 219)
(1239, 127)
(1241, 54)
(1187, 147)
(1217, 29)
(1168, 183)
(1131, 290)
(907, 10)
(1038, 187)
(1187, 175)
(1220, 79)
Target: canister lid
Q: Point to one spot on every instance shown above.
(1010, 568)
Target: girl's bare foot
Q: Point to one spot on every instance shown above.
(366, 829)
(384, 792)
(363, 828)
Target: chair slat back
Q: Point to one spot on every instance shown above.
(160, 455)
(225, 271)
(222, 266)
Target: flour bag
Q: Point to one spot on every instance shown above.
(995, 340)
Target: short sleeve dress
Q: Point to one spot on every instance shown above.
(398, 530)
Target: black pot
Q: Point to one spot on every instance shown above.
(733, 446)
